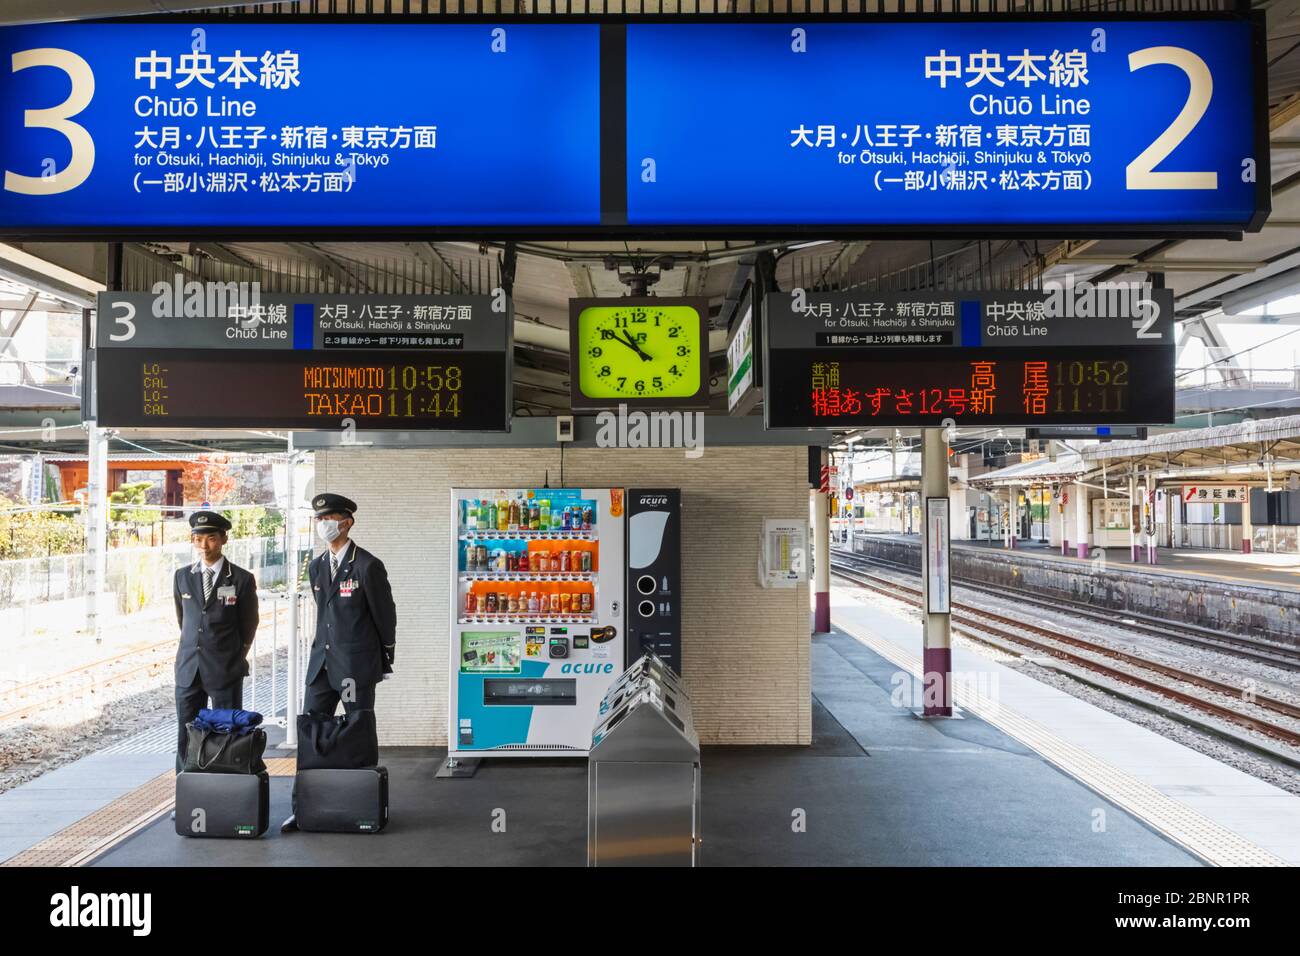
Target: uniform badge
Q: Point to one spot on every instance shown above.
(347, 587)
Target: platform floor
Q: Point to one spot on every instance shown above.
(1259, 568)
(1025, 775)
(878, 786)
(1224, 815)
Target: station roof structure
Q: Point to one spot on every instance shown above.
(1242, 451)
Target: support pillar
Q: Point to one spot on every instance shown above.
(1247, 529)
(1060, 510)
(1013, 504)
(96, 527)
(1134, 517)
(292, 705)
(936, 653)
(1081, 519)
(1149, 525)
(822, 552)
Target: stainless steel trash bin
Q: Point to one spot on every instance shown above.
(643, 773)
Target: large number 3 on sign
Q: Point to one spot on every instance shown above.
(59, 119)
(1140, 174)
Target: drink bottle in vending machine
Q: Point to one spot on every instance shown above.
(537, 621)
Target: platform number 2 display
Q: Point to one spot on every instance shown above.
(1141, 174)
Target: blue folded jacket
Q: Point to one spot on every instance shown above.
(237, 722)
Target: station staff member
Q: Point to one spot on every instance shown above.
(216, 610)
(356, 620)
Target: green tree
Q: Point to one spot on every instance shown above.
(126, 498)
(26, 533)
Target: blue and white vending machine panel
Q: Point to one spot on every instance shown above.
(537, 617)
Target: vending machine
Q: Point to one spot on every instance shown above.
(537, 617)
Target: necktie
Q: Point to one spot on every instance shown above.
(207, 585)
(334, 565)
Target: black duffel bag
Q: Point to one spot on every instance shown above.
(207, 751)
(347, 742)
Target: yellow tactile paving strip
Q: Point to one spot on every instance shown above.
(96, 834)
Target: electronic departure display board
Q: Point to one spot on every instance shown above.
(305, 362)
(857, 360)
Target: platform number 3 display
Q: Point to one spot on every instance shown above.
(642, 351)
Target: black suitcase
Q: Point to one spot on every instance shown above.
(341, 801)
(222, 804)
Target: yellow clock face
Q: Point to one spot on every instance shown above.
(638, 351)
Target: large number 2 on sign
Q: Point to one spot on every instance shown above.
(59, 119)
(1140, 174)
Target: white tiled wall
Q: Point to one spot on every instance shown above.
(745, 649)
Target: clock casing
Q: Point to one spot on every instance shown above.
(639, 351)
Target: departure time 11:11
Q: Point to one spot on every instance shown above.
(1099, 386)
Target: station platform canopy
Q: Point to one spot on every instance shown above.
(1247, 450)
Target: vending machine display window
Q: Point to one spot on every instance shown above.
(535, 571)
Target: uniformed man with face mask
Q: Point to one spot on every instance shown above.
(356, 620)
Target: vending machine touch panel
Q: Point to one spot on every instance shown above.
(654, 574)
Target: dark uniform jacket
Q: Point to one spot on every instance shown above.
(356, 620)
(215, 637)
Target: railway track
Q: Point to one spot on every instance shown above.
(972, 622)
(1264, 652)
(57, 689)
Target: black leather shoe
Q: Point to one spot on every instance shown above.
(290, 825)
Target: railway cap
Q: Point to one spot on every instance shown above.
(329, 504)
(204, 521)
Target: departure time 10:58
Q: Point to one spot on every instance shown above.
(406, 384)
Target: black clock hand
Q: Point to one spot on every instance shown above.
(631, 342)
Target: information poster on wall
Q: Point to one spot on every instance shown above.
(938, 552)
(783, 553)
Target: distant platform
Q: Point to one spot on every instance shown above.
(1254, 595)
(1259, 568)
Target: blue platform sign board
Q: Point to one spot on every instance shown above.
(1129, 124)
(240, 126)
(303, 128)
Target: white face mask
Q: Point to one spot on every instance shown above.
(328, 530)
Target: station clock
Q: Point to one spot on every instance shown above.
(641, 352)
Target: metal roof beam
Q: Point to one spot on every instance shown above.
(330, 266)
